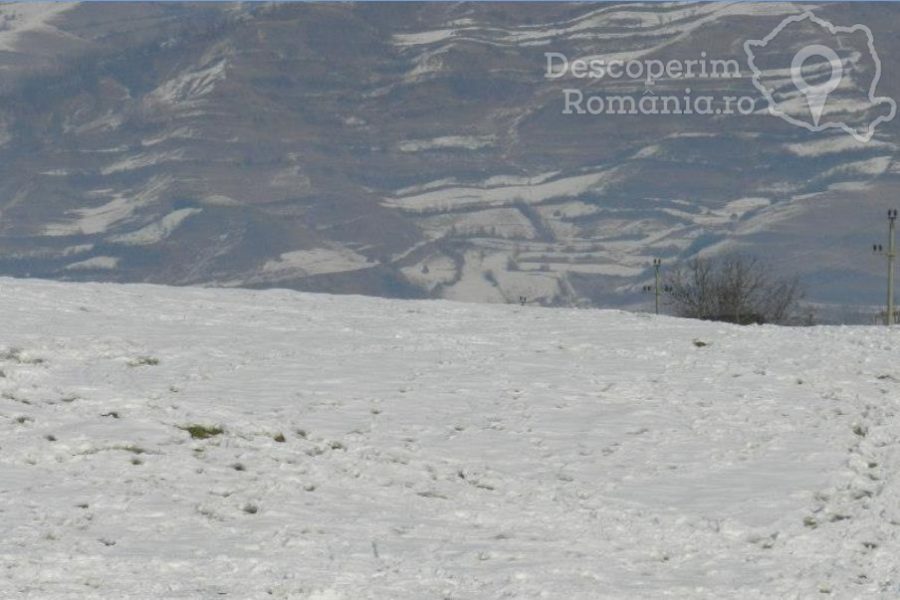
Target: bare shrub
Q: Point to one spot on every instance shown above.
(735, 288)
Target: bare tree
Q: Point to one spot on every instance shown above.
(693, 293)
(734, 288)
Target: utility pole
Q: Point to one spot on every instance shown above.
(656, 288)
(890, 254)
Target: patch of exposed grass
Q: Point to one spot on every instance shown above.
(7, 395)
(143, 361)
(202, 432)
(17, 355)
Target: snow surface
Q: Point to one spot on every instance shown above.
(435, 450)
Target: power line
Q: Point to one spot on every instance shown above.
(657, 288)
(891, 253)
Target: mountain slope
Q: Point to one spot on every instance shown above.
(413, 150)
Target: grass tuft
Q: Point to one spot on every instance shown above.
(143, 361)
(202, 432)
(17, 355)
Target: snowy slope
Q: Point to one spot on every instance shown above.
(435, 450)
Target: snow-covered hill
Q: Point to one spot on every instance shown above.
(425, 449)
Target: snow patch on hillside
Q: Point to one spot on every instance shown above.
(463, 142)
(19, 18)
(497, 222)
(103, 263)
(834, 145)
(143, 160)
(89, 221)
(179, 133)
(157, 231)
(184, 90)
(502, 192)
(869, 168)
(316, 261)
(645, 29)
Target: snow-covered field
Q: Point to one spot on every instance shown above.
(434, 450)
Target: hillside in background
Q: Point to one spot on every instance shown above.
(414, 150)
(351, 448)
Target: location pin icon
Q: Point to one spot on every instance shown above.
(816, 94)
